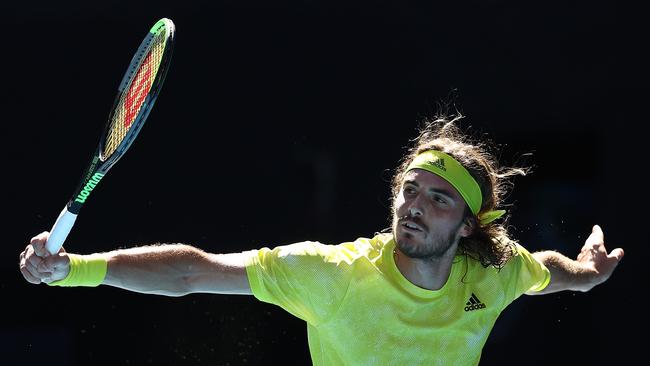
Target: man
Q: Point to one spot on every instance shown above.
(427, 292)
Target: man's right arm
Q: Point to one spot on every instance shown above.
(171, 269)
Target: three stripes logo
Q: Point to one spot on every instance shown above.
(474, 303)
(439, 163)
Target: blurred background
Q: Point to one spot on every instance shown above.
(282, 121)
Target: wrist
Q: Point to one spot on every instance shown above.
(85, 270)
(586, 277)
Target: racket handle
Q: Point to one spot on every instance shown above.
(60, 230)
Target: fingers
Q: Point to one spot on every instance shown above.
(617, 253)
(32, 264)
(54, 263)
(25, 272)
(35, 273)
(38, 243)
(29, 263)
(596, 237)
(32, 259)
(29, 276)
(597, 229)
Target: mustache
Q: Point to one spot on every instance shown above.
(413, 219)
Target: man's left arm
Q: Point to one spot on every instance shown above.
(592, 267)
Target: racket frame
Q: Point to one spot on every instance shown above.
(99, 166)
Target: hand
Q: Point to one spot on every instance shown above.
(594, 256)
(38, 265)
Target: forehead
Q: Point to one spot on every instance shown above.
(429, 180)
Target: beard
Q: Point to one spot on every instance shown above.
(435, 245)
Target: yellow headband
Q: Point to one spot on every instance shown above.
(452, 171)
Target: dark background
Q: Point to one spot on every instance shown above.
(281, 121)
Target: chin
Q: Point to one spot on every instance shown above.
(404, 240)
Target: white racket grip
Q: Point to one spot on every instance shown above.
(60, 230)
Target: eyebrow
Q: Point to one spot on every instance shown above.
(441, 191)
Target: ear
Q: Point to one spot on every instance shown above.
(467, 228)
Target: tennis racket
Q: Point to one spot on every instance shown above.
(136, 95)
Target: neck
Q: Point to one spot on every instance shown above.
(426, 273)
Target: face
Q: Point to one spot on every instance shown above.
(428, 216)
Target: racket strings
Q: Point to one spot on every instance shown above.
(131, 101)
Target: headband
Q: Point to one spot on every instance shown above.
(452, 171)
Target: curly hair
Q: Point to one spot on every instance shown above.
(488, 243)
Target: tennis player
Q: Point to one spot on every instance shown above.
(425, 292)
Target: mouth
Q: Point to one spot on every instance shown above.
(411, 226)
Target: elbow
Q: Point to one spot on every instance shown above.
(174, 288)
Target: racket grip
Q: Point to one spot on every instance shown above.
(60, 230)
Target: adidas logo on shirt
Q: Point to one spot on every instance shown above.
(474, 303)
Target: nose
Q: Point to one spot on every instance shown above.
(415, 208)
(415, 211)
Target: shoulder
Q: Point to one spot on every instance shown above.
(521, 257)
(525, 272)
(365, 247)
(330, 253)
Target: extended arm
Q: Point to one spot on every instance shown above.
(592, 267)
(171, 270)
(176, 270)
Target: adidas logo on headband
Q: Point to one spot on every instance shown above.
(440, 163)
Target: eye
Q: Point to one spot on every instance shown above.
(409, 190)
(440, 199)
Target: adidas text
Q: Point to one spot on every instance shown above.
(474, 303)
(474, 307)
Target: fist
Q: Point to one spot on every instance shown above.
(37, 265)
